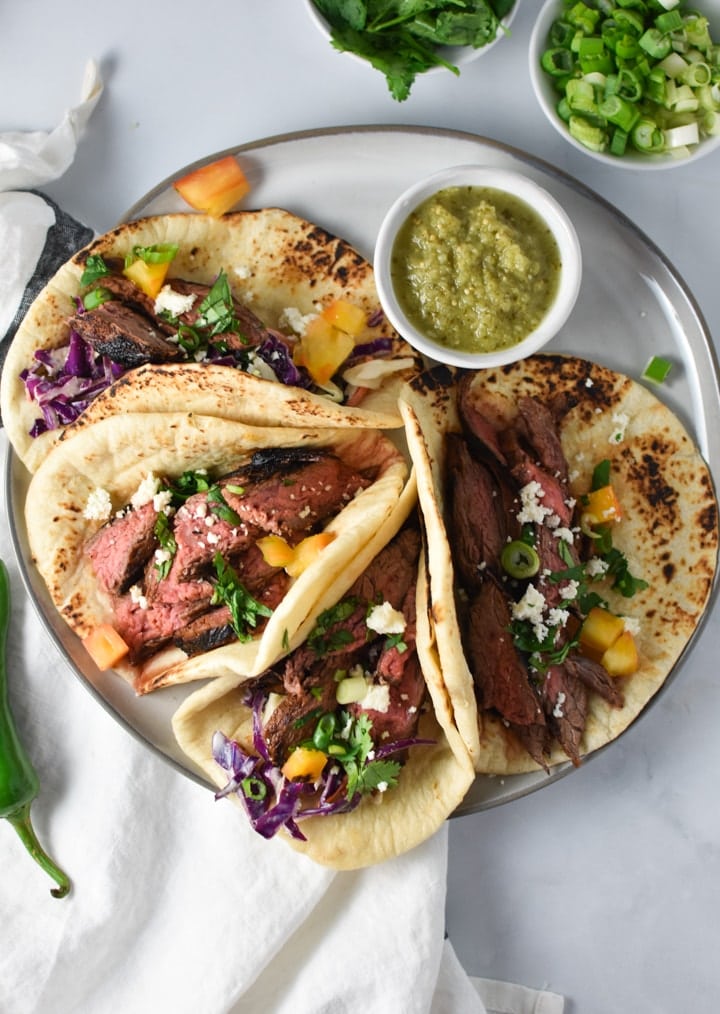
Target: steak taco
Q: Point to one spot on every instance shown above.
(184, 542)
(572, 531)
(263, 299)
(346, 747)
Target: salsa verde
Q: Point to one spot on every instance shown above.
(475, 268)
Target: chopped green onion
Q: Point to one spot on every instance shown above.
(657, 370)
(158, 253)
(519, 560)
(96, 297)
(655, 55)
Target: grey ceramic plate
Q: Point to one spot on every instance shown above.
(632, 305)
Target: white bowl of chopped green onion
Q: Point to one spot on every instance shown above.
(634, 86)
(402, 41)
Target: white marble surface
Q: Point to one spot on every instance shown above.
(604, 886)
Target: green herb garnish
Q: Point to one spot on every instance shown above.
(164, 535)
(95, 268)
(217, 312)
(244, 609)
(322, 638)
(402, 38)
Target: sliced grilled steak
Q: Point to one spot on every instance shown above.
(596, 678)
(566, 705)
(124, 336)
(120, 550)
(525, 470)
(537, 425)
(132, 296)
(251, 329)
(477, 520)
(500, 676)
(210, 630)
(293, 720)
(293, 503)
(482, 434)
(147, 627)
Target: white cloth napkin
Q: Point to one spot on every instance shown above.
(177, 904)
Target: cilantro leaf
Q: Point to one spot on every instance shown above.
(322, 638)
(217, 311)
(164, 535)
(244, 609)
(95, 267)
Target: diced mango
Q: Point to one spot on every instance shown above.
(307, 551)
(603, 505)
(600, 631)
(345, 316)
(621, 658)
(148, 277)
(305, 763)
(105, 646)
(323, 348)
(214, 188)
(275, 550)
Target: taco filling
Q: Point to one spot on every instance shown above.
(190, 561)
(572, 549)
(531, 562)
(332, 722)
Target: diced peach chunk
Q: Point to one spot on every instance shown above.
(345, 316)
(621, 658)
(603, 505)
(323, 348)
(275, 550)
(307, 551)
(214, 188)
(304, 762)
(148, 277)
(600, 631)
(105, 646)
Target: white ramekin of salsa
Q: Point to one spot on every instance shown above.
(477, 266)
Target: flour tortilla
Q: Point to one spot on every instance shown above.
(432, 783)
(274, 261)
(116, 454)
(669, 530)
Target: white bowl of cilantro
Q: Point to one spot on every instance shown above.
(477, 266)
(402, 40)
(634, 86)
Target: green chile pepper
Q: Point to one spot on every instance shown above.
(19, 784)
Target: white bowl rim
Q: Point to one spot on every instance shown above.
(632, 160)
(545, 205)
(458, 55)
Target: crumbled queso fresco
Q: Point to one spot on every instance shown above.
(294, 319)
(172, 302)
(621, 420)
(98, 506)
(384, 619)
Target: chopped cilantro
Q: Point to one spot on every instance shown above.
(322, 638)
(244, 609)
(164, 535)
(217, 312)
(95, 267)
(402, 38)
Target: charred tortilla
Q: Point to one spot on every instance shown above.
(113, 459)
(431, 776)
(274, 262)
(668, 533)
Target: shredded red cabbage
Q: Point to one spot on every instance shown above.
(63, 382)
(275, 352)
(370, 348)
